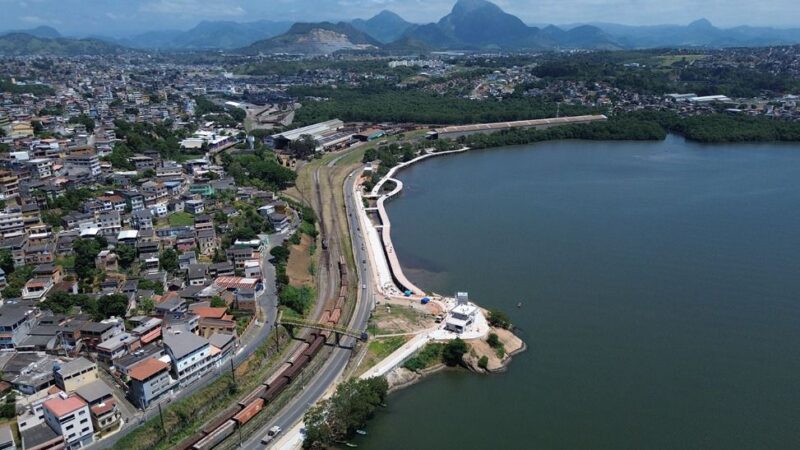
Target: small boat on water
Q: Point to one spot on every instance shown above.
(519, 305)
(361, 432)
(350, 444)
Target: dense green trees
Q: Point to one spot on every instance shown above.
(168, 260)
(384, 102)
(6, 261)
(280, 253)
(454, 351)
(16, 281)
(498, 319)
(715, 128)
(61, 302)
(143, 136)
(29, 88)
(115, 305)
(120, 157)
(87, 121)
(126, 255)
(154, 286)
(304, 147)
(86, 250)
(260, 169)
(296, 298)
(335, 419)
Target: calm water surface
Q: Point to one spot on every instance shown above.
(660, 288)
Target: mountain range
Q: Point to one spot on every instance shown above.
(23, 44)
(470, 25)
(208, 35)
(315, 38)
(385, 27)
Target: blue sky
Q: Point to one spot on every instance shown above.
(116, 17)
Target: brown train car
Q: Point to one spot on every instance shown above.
(315, 346)
(312, 336)
(216, 437)
(325, 316)
(257, 393)
(275, 388)
(277, 375)
(221, 418)
(340, 302)
(298, 352)
(249, 411)
(296, 367)
(189, 442)
(335, 315)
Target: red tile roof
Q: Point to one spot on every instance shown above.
(209, 312)
(63, 406)
(146, 369)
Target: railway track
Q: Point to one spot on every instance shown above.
(334, 282)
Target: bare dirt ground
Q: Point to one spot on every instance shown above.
(479, 347)
(299, 261)
(395, 319)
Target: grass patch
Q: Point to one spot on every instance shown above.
(180, 219)
(67, 262)
(384, 347)
(429, 355)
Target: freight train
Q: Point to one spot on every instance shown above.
(226, 423)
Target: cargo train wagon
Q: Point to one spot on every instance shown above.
(240, 413)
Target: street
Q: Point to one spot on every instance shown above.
(338, 359)
(248, 342)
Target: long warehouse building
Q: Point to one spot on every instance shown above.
(466, 130)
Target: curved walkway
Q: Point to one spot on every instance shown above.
(386, 225)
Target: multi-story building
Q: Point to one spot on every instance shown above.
(134, 200)
(206, 241)
(9, 184)
(190, 354)
(71, 375)
(142, 219)
(36, 288)
(154, 192)
(102, 404)
(69, 416)
(83, 159)
(16, 321)
(109, 223)
(93, 333)
(11, 223)
(41, 168)
(149, 380)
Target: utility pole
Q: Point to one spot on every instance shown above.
(161, 416)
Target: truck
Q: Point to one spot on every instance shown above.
(271, 434)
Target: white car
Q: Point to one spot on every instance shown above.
(274, 431)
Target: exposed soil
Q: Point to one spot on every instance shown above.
(299, 261)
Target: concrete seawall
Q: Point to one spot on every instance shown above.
(386, 226)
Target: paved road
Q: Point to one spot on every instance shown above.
(337, 361)
(250, 340)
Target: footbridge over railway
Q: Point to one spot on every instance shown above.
(338, 331)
